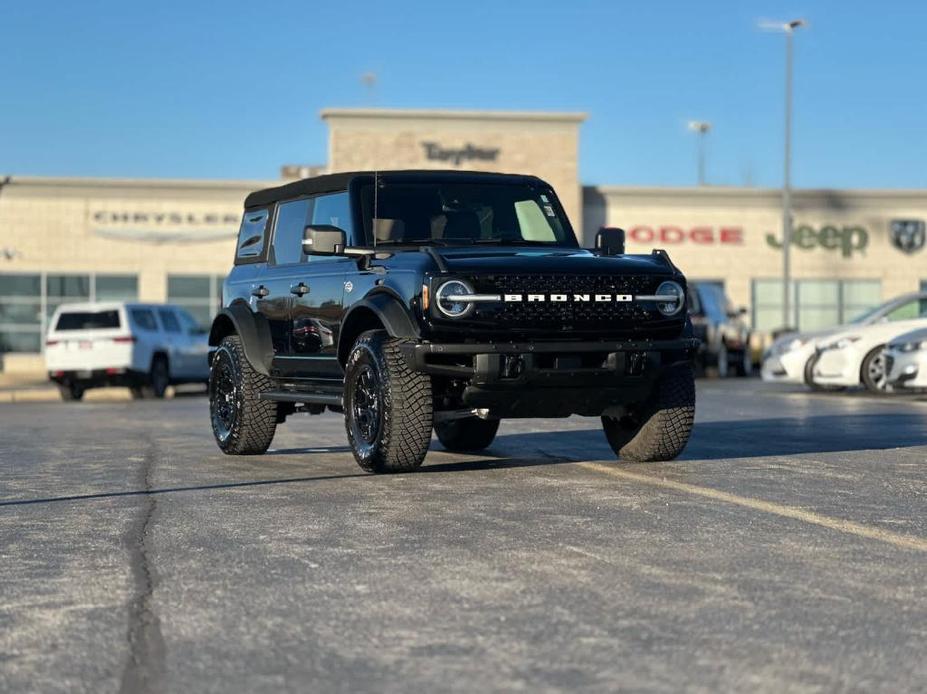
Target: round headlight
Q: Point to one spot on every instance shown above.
(670, 308)
(449, 307)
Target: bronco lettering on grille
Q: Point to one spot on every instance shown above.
(565, 298)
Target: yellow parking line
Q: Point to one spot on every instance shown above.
(844, 526)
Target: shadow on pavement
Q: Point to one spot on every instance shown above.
(751, 438)
(172, 490)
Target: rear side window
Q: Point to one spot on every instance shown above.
(88, 320)
(251, 234)
(143, 318)
(169, 320)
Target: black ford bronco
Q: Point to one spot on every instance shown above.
(420, 300)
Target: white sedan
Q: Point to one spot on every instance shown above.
(857, 356)
(790, 357)
(906, 360)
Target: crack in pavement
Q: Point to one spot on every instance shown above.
(145, 667)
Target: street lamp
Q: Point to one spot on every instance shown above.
(701, 127)
(788, 28)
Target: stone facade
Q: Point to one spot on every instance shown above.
(141, 227)
(543, 144)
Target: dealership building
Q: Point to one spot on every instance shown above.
(77, 239)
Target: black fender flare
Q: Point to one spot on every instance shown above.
(253, 330)
(388, 308)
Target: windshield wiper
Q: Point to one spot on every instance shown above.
(425, 242)
(517, 242)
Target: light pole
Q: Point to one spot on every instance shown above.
(701, 128)
(788, 28)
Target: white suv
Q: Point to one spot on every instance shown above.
(145, 347)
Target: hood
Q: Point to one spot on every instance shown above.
(549, 260)
(914, 336)
(878, 333)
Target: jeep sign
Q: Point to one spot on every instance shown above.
(848, 239)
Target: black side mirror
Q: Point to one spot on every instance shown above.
(323, 239)
(610, 241)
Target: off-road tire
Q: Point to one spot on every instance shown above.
(251, 427)
(467, 434)
(401, 399)
(71, 392)
(658, 429)
(866, 377)
(809, 377)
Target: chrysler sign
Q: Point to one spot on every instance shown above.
(165, 226)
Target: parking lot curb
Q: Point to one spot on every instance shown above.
(52, 395)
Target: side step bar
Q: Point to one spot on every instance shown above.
(333, 399)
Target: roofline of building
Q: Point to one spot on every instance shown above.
(701, 192)
(754, 192)
(440, 114)
(81, 181)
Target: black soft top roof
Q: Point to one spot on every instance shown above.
(331, 183)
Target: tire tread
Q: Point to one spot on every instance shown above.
(668, 419)
(254, 432)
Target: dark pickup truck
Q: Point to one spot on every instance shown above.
(414, 301)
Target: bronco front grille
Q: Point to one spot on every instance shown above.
(575, 315)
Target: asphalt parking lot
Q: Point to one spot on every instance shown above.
(786, 551)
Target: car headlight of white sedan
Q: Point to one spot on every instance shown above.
(842, 343)
(784, 345)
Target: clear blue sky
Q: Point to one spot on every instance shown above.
(233, 89)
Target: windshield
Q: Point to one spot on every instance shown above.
(864, 317)
(462, 214)
(908, 309)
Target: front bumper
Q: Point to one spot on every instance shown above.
(788, 367)
(906, 369)
(549, 379)
(838, 367)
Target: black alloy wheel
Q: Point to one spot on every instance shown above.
(366, 405)
(224, 403)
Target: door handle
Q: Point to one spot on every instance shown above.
(260, 291)
(299, 289)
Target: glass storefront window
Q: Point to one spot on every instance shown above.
(21, 313)
(116, 288)
(70, 286)
(815, 304)
(27, 302)
(20, 285)
(198, 294)
(859, 296)
(818, 304)
(12, 340)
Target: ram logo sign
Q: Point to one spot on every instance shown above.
(908, 235)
